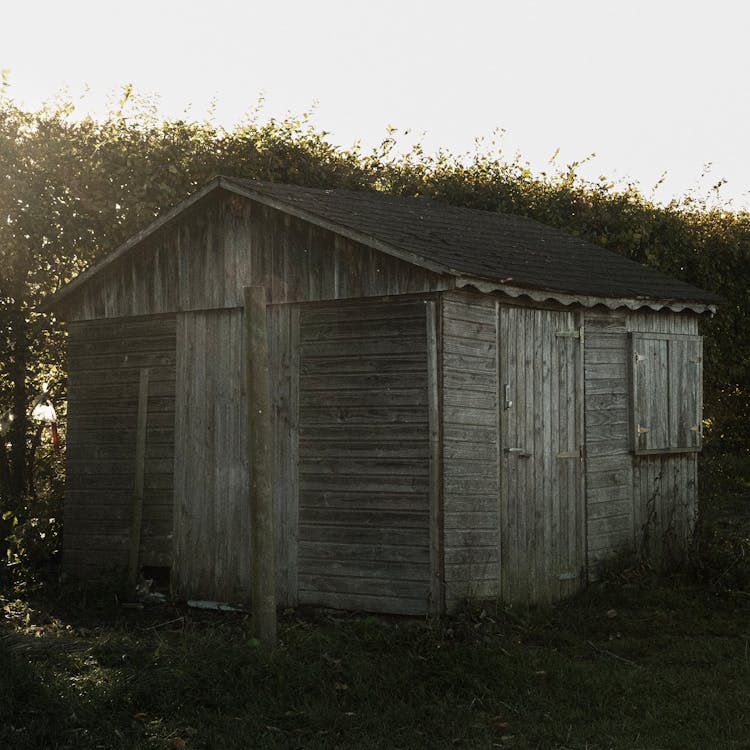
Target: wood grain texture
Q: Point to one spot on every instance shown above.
(665, 485)
(284, 355)
(205, 258)
(364, 457)
(470, 447)
(260, 465)
(543, 550)
(212, 525)
(609, 473)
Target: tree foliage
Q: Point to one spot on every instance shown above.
(72, 190)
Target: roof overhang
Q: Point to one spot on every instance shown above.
(85, 276)
(613, 303)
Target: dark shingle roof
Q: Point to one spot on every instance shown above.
(485, 249)
(491, 246)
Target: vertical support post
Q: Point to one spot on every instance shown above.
(262, 536)
(503, 403)
(434, 388)
(581, 438)
(140, 465)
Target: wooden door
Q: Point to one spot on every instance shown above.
(542, 550)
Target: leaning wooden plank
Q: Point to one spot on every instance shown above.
(140, 461)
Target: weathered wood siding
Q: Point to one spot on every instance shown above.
(206, 257)
(104, 363)
(634, 502)
(514, 515)
(470, 448)
(364, 457)
(609, 461)
(665, 486)
(211, 523)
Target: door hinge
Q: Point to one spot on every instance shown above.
(575, 333)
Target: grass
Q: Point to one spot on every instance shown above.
(659, 665)
(650, 663)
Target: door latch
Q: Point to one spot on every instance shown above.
(520, 452)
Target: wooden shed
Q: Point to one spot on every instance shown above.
(465, 404)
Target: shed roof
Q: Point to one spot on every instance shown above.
(484, 249)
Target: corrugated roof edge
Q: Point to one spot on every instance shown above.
(481, 284)
(613, 303)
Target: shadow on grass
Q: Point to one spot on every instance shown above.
(617, 667)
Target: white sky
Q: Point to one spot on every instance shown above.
(648, 85)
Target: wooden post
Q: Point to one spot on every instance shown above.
(263, 574)
(140, 464)
(434, 399)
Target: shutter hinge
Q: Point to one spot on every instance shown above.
(639, 357)
(643, 430)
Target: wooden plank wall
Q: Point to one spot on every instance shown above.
(104, 363)
(364, 457)
(634, 502)
(609, 462)
(514, 519)
(470, 449)
(211, 523)
(206, 257)
(665, 486)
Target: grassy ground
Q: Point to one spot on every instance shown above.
(640, 662)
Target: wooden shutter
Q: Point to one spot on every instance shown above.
(667, 376)
(685, 380)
